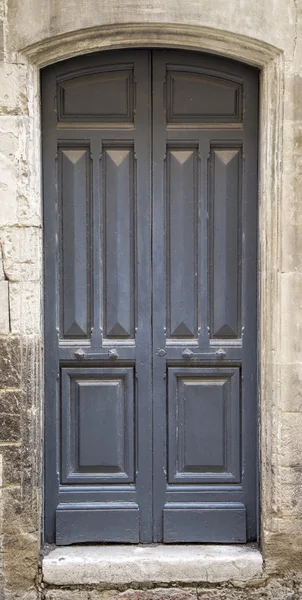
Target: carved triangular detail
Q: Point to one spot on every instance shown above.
(225, 331)
(182, 155)
(118, 331)
(75, 330)
(74, 155)
(226, 156)
(182, 331)
(118, 156)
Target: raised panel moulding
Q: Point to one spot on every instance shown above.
(225, 243)
(102, 97)
(181, 226)
(75, 235)
(118, 242)
(205, 522)
(204, 425)
(97, 425)
(194, 98)
(97, 522)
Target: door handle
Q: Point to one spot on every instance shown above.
(188, 354)
(111, 354)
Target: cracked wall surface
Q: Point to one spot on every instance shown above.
(36, 32)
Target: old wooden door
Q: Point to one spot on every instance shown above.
(150, 216)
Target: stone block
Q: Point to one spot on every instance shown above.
(13, 89)
(12, 509)
(19, 172)
(10, 428)
(12, 467)
(10, 362)
(290, 501)
(271, 591)
(10, 402)
(1, 41)
(291, 440)
(8, 170)
(283, 548)
(25, 307)
(20, 542)
(291, 214)
(291, 387)
(2, 275)
(157, 594)
(74, 594)
(4, 308)
(291, 317)
(32, 594)
(105, 594)
(21, 253)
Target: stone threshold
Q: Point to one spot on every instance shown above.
(119, 565)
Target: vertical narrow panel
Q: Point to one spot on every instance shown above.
(75, 195)
(182, 242)
(225, 242)
(118, 180)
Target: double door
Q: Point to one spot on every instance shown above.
(150, 218)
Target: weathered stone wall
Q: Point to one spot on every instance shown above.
(20, 330)
(36, 32)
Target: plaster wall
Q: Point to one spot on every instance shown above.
(268, 34)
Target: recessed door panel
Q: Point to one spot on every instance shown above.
(97, 425)
(75, 240)
(204, 425)
(102, 96)
(207, 523)
(195, 97)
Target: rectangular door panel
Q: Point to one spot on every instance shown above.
(96, 522)
(101, 97)
(206, 523)
(97, 429)
(203, 425)
(195, 97)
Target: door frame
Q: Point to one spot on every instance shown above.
(270, 60)
(54, 358)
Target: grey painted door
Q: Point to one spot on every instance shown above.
(150, 215)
